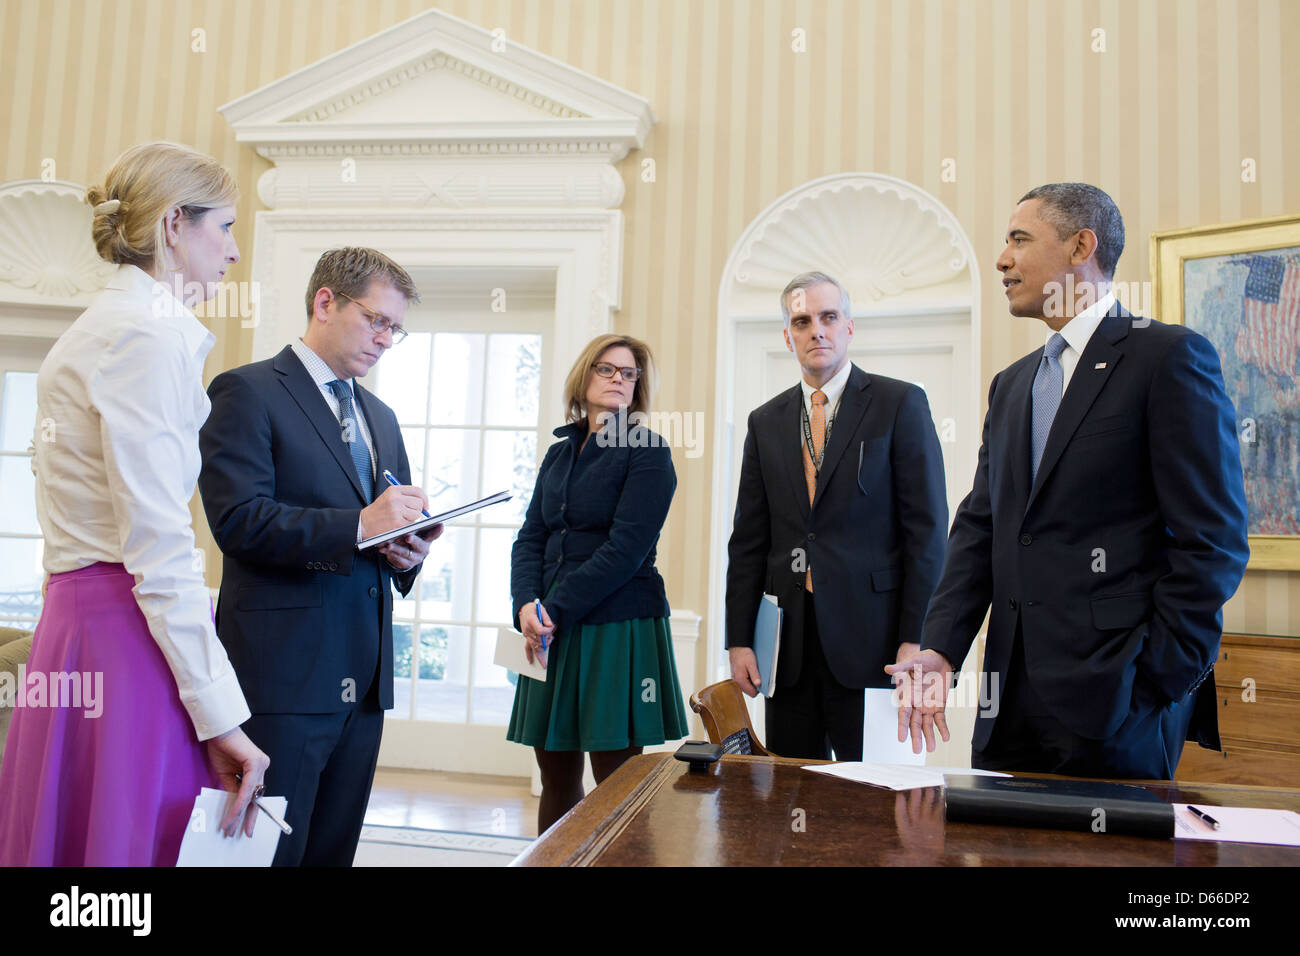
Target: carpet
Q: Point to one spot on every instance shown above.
(407, 846)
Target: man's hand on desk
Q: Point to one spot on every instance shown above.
(409, 550)
(397, 507)
(744, 669)
(923, 680)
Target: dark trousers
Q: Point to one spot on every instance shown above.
(816, 713)
(1027, 737)
(324, 764)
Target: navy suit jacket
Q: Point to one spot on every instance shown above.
(1117, 559)
(873, 535)
(301, 612)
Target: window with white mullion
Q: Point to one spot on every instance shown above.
(21, 542)
(479, 434)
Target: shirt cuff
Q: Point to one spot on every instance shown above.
(358, 529)
(217, 708)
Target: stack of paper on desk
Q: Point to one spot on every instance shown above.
(896, 776)
(1238, 825)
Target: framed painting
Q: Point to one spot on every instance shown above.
(1238, 284)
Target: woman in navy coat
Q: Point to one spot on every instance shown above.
(585, 557)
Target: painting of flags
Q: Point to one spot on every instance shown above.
(1248, 305)
(1269, 336)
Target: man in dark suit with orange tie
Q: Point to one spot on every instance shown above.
(1106, 526)
(841, 514)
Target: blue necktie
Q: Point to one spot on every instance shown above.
(352, 436)
(1047, 397)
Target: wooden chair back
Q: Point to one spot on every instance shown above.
(721, 707)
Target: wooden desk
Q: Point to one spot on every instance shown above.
(653, 812)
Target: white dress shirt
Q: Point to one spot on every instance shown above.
(1077, 332)
(120, 402)
(833, 390)
(322, 375)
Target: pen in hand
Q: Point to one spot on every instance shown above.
(388, 475)
(537, 606)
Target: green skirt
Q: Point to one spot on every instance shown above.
(609, 687)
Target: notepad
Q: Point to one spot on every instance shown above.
(510, 655)
(205, 845)
(429, 522)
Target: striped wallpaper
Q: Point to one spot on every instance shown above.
(1016, 92)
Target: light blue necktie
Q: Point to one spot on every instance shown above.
(352, 436)
(1047, 397)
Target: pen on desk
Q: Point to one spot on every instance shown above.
(537, 602)
(395, 483)
(1204, 816)
(274, 818)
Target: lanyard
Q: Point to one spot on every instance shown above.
(807, 437)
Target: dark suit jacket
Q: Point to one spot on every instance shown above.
(873, 536)
(1119, 557)
(301, 611)
(587, 546)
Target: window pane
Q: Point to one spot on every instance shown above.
(413, 439)
(17, 411)
(446, 581)
(494, 574)
(18, 492)
(513, 379)
(21, 575)
(453, 468)
(457, 379)
(443, 659)
(404, 379)
(402, 633)
(509, 462)
(493, 694)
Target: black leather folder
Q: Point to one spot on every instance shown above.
(1086, 805)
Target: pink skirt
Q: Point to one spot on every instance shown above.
(108, 779)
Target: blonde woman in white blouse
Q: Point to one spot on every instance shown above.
(119, 404)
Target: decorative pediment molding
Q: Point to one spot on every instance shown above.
(879, 236)
(436, 61)
(47, 258)
(433, 97)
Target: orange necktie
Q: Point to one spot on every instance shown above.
(816, 425)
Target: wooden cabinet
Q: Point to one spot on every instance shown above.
(1258, 684)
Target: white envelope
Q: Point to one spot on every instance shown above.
(510, 655)
(205, 845)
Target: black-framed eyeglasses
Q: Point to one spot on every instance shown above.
(605, 370)
(378, 321)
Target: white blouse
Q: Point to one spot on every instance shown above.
(120, 402)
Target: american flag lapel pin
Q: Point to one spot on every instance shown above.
(1099, 365)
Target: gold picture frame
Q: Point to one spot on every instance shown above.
(1171, 250)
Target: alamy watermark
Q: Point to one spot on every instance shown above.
(55, 689)
(653, 430)
(218, 300)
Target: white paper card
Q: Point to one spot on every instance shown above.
(880, 730)
(205, 845)
(510, 655)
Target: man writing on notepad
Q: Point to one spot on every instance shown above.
(294, 460)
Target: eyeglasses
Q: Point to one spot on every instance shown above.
(378, 321)
(605, 370)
